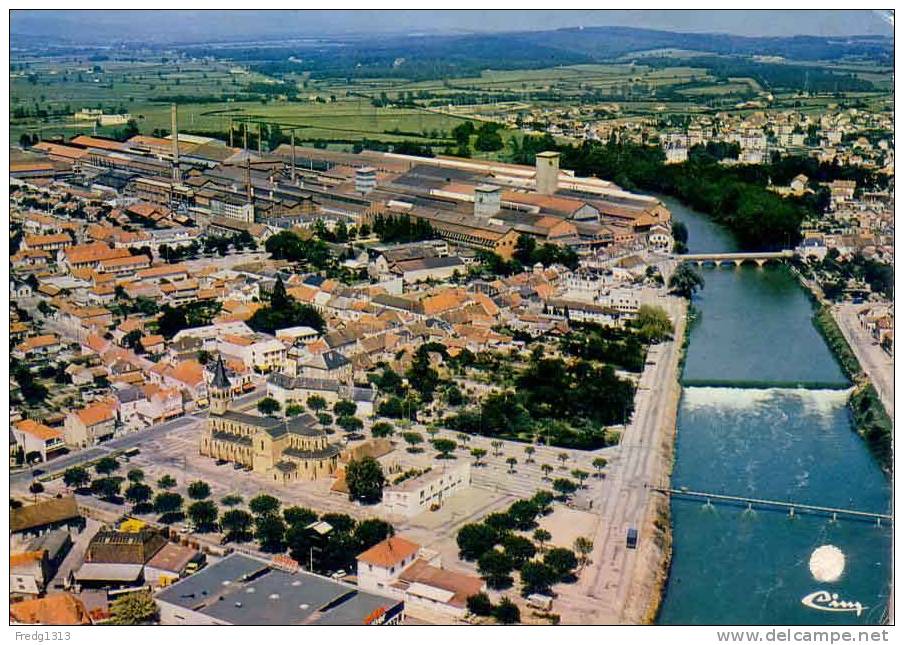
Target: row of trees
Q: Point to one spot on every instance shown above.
(499, 548)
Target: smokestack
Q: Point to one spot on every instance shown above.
(293, 155)
(249, 191)
(547, 172)
(177, 174)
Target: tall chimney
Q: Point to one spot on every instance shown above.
(293, 155)
(249, 195)
(177, 174)
(547, 172)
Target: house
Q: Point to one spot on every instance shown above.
(37, 346)
(90, 425)
(425, 269)
(37, 437)
(28, 573)
(41, 517)
(170, 563)
(33, 568)
(402, 569)
(256, 351)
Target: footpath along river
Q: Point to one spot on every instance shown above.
(763, 414)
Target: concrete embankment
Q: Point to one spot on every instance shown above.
(655, 548)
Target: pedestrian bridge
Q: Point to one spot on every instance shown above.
(790, 507)
(719, 259)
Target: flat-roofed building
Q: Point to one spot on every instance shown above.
(243, 590)
(418, 494)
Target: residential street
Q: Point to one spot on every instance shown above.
(879, 366)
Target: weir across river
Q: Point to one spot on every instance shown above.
(791, 507)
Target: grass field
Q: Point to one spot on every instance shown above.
(45, 92)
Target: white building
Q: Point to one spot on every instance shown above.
(416, 495)
(402, 569)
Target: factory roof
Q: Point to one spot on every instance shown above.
(241, 590)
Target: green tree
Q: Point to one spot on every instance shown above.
(523, 513)
(537, 577)
(444, 447)
(413, 439)
(512, 462)
(365, 480)
(204, 515)
(106, 465)
(107, 488)
(137, 608)
(76, 477)
(542, 536)
(478, 454)
(564, 487)
(496, 568)
(547, 469)
(167, 503)
(294, 409)
(507, 612)
(685, 281)
(345, 408)
(299, 515)
(599, 463)
(562, 561)
(653, 323)
(382, 429)
(372, 531)
(580, 475)
(237, 524)
(584, 547)
(529, 451)
(474, 540)
(480, 605)
(519, 549)
(270, 531)
(316, 402)
(350, 424)
(199, 490)
(138, 493)
(166, 482)
(135, 475)
(268, 406)
(264, 504)
(231, 500)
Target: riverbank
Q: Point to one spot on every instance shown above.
(654, 555)
(871, 421)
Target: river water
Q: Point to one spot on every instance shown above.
(781, 431)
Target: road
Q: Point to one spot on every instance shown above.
(879, 366)
(627, 493)
(123, 442)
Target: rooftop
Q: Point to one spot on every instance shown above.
(241, 590)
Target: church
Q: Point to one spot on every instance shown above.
(284, 450)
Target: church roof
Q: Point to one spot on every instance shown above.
(220, 380)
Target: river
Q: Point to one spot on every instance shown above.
(783, 432)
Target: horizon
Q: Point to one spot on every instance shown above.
(191, 26)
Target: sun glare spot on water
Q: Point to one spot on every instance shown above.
(827, 563)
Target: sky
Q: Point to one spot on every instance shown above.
(90, 27)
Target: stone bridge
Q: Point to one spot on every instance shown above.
(718, 259)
